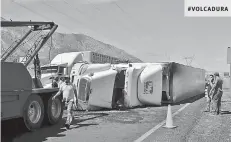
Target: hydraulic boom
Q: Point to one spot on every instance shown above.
(35, 26)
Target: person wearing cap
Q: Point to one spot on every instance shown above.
(69, 97)
(217, 93)
(208, 95)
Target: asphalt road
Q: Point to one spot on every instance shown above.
(126, 126)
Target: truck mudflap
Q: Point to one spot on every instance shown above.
(130, 87)
(101, 89)
(44, 90)
(150, 85)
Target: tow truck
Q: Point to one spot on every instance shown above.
(23, 96)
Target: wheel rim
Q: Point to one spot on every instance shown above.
(56, 108)
(34, 112)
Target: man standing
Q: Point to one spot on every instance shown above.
(208, 95)
(217, 94)
(69, 94)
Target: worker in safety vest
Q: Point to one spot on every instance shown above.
(208, 95)
(69, 97)
(217, 94)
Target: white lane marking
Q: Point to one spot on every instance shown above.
(144, 136)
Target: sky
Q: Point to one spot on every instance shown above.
(152, 30)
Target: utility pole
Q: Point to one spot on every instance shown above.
(167, 56)
(189, 60)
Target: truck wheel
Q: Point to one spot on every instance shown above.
(54, 110)
(33, 113)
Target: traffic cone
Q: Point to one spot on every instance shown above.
(169, 122)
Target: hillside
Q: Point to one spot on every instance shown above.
(60, 43)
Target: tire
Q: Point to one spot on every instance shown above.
(54, 110)
(35, 108)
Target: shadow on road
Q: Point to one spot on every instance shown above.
(225, 112)
(11, 128)
(226, 101)
(15, 131)
(81, 125)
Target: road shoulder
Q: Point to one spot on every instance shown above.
(193, 124)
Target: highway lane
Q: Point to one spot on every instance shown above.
(195, 125)
(111, 126)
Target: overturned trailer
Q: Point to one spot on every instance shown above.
(160, 83)
(142, 84)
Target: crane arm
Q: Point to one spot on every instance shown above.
(37, 48)
(11, 49)
(35, 26)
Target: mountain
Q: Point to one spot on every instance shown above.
(60, 43)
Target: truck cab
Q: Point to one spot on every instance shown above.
(50, 71)
(61, 65)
